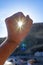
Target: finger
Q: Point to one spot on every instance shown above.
(17, 16)
(29, 21)
(11, 22)
(27, 26)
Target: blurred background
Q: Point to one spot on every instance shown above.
(32, 46)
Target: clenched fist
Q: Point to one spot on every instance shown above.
(14, 32)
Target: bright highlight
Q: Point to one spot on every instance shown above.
(20, 23)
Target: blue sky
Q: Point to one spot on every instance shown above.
(34, 8)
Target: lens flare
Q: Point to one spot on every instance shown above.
(20, 23)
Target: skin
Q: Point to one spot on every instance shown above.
(14, 35)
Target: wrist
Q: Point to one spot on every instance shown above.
(12, 40)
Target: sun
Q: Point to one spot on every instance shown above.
(20, 23)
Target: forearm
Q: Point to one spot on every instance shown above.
(14, 34)
(6, 49)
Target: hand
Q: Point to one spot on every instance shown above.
(14, 33)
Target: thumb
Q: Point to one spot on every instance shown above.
(29, 19)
